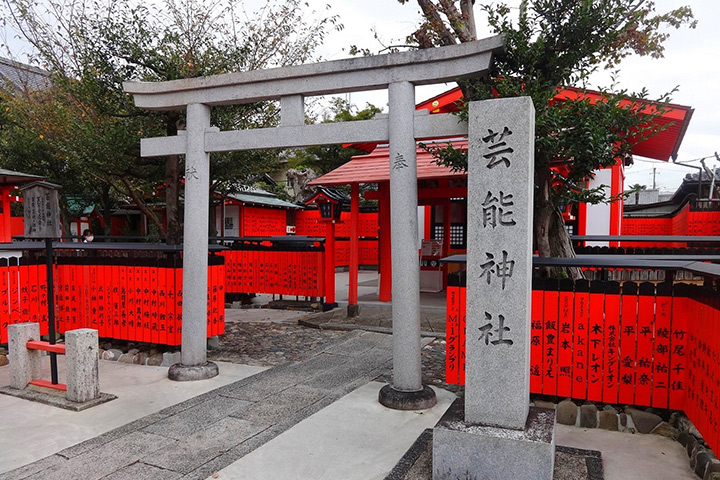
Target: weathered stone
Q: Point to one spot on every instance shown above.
(133, 351)
(701, 462)
(666, 430)
(712, 470)
(213, 342)
(608, 421)
(644, 421)
(588, 416)
(3, 360)
(566, 413)
(140, 358)
(691, 444)
(544, 404)
(82, 349)
(494, 245)
(25, 364)
(155, 360)
(126, 358)
(112, 354)
(623, 419)
(683, 438)
(694, 454)
(462, 450)
(610, 408)
(171, 358)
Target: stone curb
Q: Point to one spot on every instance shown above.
(368, 328)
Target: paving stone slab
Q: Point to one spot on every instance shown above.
(143, 471)
(361, 367)
(33, 468)
(197, 418)
(276, 407)
(198, 448)
(107, 458)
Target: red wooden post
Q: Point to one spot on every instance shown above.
(452, 327)
(330, 262)
(385, 260)
(595, 341)
(580, 349)
(6, 229)
(628, 343)
(550, 332)
(536, 336)
(612, 328)
(644, 374)
(565, 338)
(463, 334)
(678, 347)
(354, 247)
(661, 354)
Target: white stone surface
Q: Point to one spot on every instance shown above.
(403, 232)
(195, 237)
(355, 438)
(81, 352)
(499, 261)
(35, 430)
(428, 66)
(25, 364)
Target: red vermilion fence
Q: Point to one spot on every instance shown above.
(135, 297)
(645, 345)
(308, 222)
(276, 265)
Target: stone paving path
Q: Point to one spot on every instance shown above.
(200, 436)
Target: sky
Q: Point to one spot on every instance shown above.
(691, 63)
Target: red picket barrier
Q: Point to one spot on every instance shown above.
(628, 343)
(661, 353)
(536, 336)
(610, 341)
(452, 331)
(565, 338)
(644, 368)
(550, 331)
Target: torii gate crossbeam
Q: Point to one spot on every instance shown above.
(399, 73)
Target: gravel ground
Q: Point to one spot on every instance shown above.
(271, 344)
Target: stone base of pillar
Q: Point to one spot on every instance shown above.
(353, 311)
(399, 400)
(463, 450)
(189, 373)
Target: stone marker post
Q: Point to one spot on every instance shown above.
(83, 382)
(41, 210)
(500, 437)
(25, 365)
(194, 364)
(407, 391)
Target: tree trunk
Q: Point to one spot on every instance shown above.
(551, 236)
(172, 190)
(106, 210)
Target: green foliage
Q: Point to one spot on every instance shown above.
(323, 159)
(86, 128)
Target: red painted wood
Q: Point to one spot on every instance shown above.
(13, 290)
(644, 369)
(550, 333)
(661, 353)
(628, 343)
(580, 343)
(452, 334)
(565, 338)
(47, 384)
(46, 346)
(678, 347)
(611, 342)
(463, 334)
(4, 300)
(385, 258)
(596, 336)
(536, 336)
(354, 243)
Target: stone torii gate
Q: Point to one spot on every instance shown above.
(399, 73)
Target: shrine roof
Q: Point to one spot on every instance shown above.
(8, 177)
(375, 167)
(262, 198)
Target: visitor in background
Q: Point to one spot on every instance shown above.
(87, 236)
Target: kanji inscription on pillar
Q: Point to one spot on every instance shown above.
(499, 261)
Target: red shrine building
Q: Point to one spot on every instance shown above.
(442, 193)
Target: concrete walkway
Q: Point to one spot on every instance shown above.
(209, 432)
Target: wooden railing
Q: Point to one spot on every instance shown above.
(275, 265)
(639, 344)
(125, 294)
